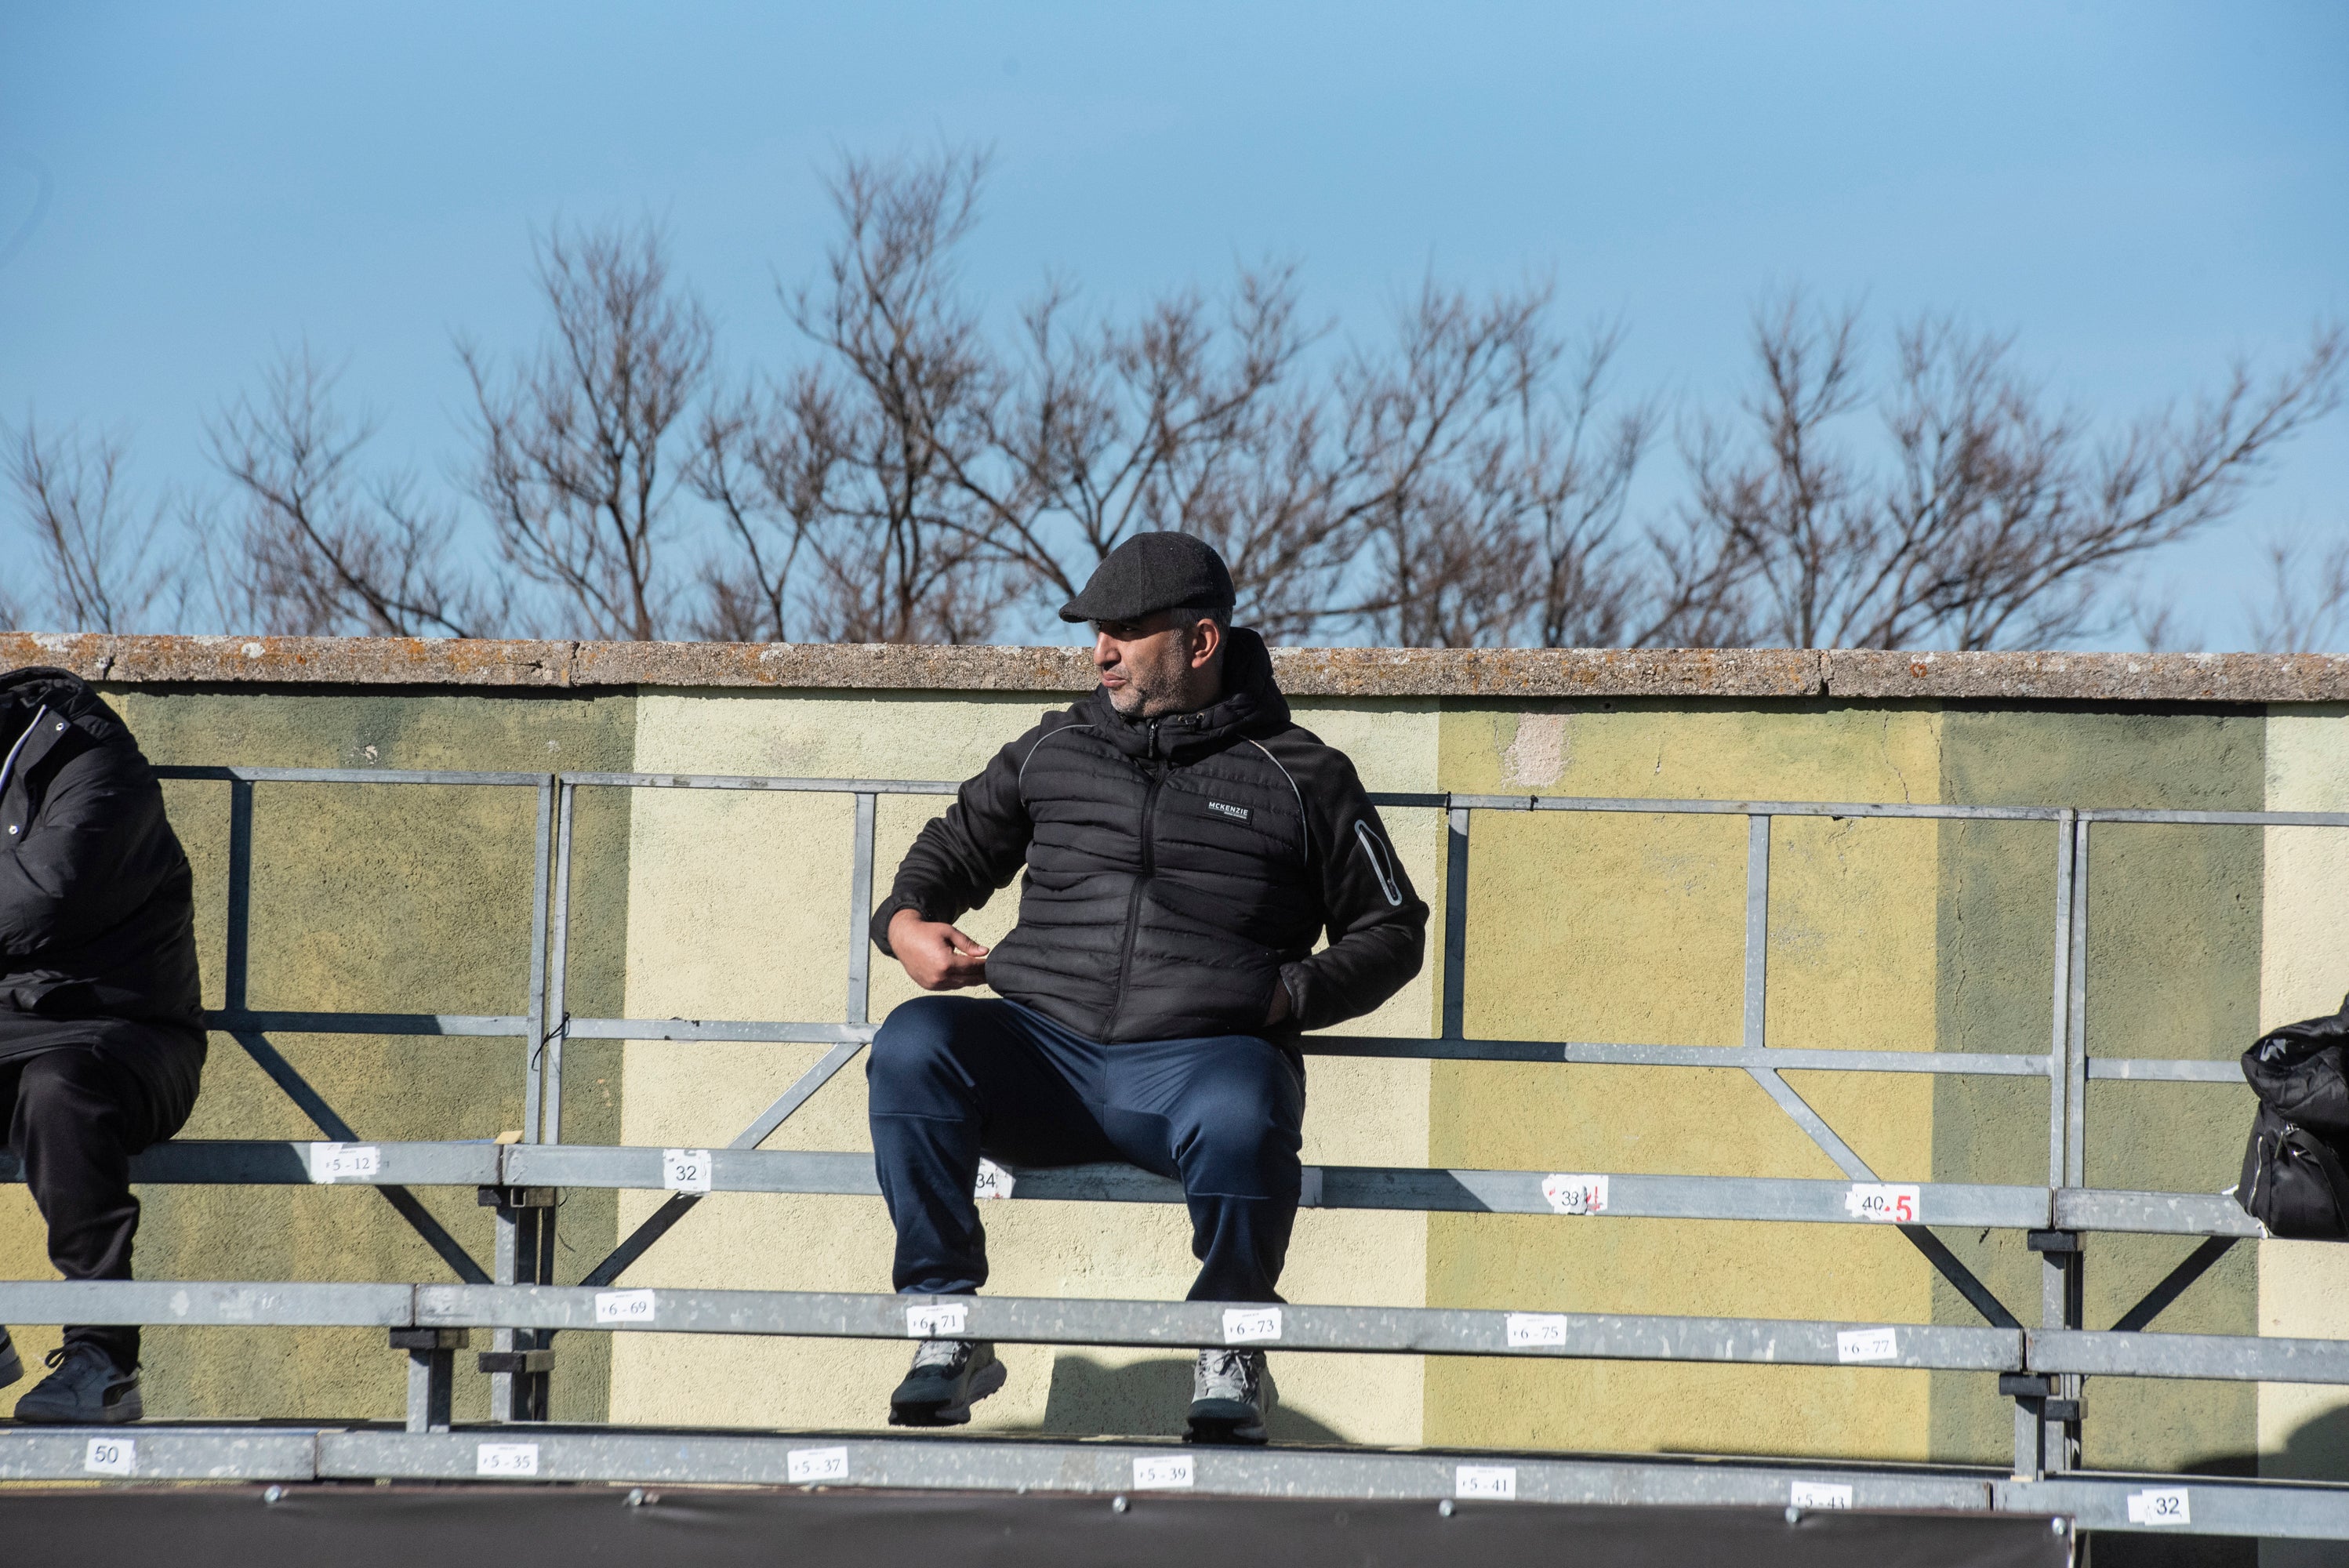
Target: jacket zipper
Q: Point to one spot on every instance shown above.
(1149, 868)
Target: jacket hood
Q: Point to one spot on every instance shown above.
(1251, 704)
(24, 692)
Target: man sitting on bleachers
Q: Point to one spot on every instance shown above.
(101, 1020)
(1185, 845)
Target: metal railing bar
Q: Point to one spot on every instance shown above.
(848, 1173)
(727, 1030)
(1432, 800)
(2151, 1213)
(1642, 805)
(1789, 1058)
(1453, 1018)
(2218, 818)
(2217, 1357)
(534, 1021)
(492, 1025)
(344, 775)
(225, 1304)
(557, 1011)
(2165, 1069)
(2173, 1284)
(403, 1202)
(1374, 1330)
(2076, 1055)
(269, 1163)
(762, 781)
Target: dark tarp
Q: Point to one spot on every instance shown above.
(494, 1527)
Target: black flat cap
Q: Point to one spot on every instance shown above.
(1153, 571)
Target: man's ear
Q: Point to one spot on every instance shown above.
(1206, 643)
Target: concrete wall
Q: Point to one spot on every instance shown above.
(1884, 934)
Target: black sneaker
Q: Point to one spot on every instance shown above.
(1232, 1396)
(949, 1376)
(86, 1390)
(12, 1366)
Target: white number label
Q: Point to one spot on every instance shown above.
(1537, 1330)
(1246, 1326)
(1886, 1205)
(331, 1162)
(112, 1456)
(505, 1458)
(1868, 1344)
(624, 1307)
(685, 1170)
(993, 1181)
(1575, 1194)
(1496, 1482)
(936, 1322)
(809, 1464)
(2165, 1507)
(1160, 1473)
(1819, 1494)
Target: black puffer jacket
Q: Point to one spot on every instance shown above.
(1177, 869)
(97, 944)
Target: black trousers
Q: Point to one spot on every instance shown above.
(73, 1121)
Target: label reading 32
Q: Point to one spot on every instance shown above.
(685, 1170)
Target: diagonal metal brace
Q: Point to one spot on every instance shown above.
(2173, 1284)
(314, 1106)
(658, 1222)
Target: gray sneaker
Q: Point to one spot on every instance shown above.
(949, 1376)
(12, 1366)
(1232, 1396)
(86, 1390)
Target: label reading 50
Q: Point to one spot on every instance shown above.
(112, 1456)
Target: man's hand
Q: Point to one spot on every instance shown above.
(1278, 1013)
(936, 954)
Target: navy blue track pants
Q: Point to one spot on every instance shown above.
(955, 1077)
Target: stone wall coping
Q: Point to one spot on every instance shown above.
(1590, 673)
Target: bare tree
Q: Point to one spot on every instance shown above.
(320, 550)
(108, 561)
(580, 449)
(2306, 609)
(2002, 518)
(1193, 418)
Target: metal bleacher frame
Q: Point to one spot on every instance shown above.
(516, 1303)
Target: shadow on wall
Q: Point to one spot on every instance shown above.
(1143, 1399)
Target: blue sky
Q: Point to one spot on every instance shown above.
(2136, 192)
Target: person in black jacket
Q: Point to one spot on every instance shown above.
(101, 1019)
(1185, 845)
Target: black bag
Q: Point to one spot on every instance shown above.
(2295, 1182)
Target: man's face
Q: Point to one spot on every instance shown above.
(1159, 663)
